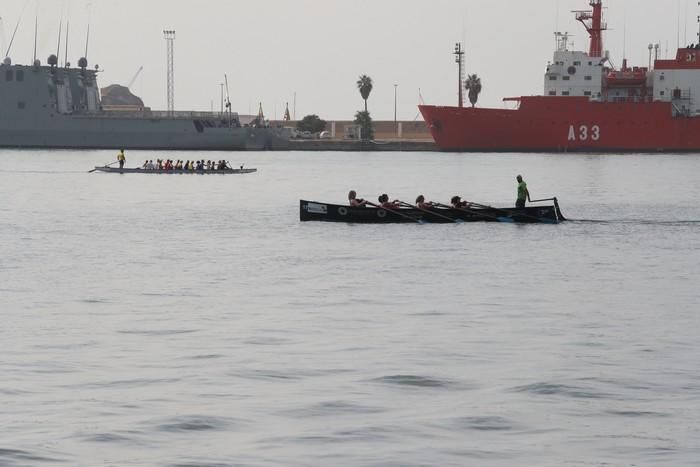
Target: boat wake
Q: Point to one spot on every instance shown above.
(670, 223)
(52, 172)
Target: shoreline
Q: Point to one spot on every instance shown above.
(362, 146)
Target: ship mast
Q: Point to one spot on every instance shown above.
(459, 58)
(593, 22)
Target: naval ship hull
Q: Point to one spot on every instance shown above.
(138, 133)
(563, 124)
(52, 107)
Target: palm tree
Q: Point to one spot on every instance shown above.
(364, 84)
(473, 85)
(364, 120)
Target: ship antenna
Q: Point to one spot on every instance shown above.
(65, 61)
(3, 42)
(14, 33)
(87, 40)
(685, 18)
(60, 31)
(36, 33)
(699, 26)
(678, 27)
(87, 35)
(624, 36)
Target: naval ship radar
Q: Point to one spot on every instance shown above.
(7, 61)
(83, 63)
(53, 60)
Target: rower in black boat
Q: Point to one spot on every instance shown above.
(353, 200)
(386, 204)
(523, 193)
(421, 203)
(457, 203)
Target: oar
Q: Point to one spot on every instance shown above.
(542, 200)
(393, 211)
(432, 213)
(472, 211)
(538, 219)
(93, 170)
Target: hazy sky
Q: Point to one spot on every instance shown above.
(271, 49)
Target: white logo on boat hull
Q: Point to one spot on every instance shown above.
(315, 208)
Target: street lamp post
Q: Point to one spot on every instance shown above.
(396, 86)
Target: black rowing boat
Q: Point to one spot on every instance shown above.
(325, 212)
(117, 170)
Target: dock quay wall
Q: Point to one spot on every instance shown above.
(415, 130)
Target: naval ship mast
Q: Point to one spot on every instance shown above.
(593, 22)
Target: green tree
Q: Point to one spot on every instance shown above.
(365, 85)
(473, 86)
(312, 123)
(365, 121)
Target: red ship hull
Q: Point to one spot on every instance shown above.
(564, 124)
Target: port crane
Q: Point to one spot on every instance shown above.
(136, 75)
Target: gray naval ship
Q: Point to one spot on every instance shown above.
(60, 107)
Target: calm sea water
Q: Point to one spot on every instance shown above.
(193, 321)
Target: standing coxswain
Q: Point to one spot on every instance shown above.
(523, 193)
(121, 158)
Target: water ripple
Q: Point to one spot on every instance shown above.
(206, 357)
(93, 301)
(111, 438)
(10, 456)
(196, 423)
(331, 409)
(159, 332)
(126, 383)
(486, 423)
(272, 341)
(635, 413)
(364, 434)
(551, 389)
(199, 464)
(414, 381)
